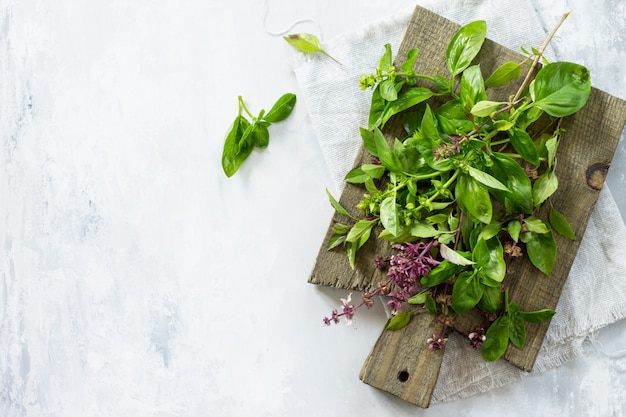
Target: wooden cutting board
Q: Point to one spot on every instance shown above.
(398, 363)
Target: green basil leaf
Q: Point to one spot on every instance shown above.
(232, 156)
(441, 273)
(491, 299)
(454, 257)
(261, 135)
(338, 207)
(341, 229)
(486, 179)
(351, 250)
(536, 225)
(485, 108)
(514, 227)
(561, 88)
(374, 171)
(524, 145)
(361, 228)
(386, 60)
(386, 155)
(472, 88)
(431, 305)
(517, 331)
(410, 60)
(356, 176)
(422, 230)
(368, 141)
(377, 109)
(400, 320)
(419, 298)
(389, 215)
(503, 75)
(559, 223)
(281, 109)
(406, 99)
(509, 172)
(491, 230)
(335, 240)
(551, 147)
(304, 42)
(388, 90)
(497, 339)
(538, 316)
(465, 45)
(489, 255)
(541, 249)
(466, 293)
(428, 126)
(474, 199)
(544, 187)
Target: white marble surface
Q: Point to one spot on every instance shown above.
(137, 280)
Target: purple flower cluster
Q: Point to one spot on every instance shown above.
(476, 338)
(412, 262)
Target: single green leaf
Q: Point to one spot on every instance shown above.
(351, 249)
(368, 141)
(389, 215)
(503, 75)
(281, 109)
(466, 293)
(551, 147)
(544, 187)
(304, 42)
(497, 339)
(541, 249)
(361, 228)
(335, 240)
(422, 230)
(538, 316)
(338, 207)
(536, 225)
(341, 229)
(514, 227)
(486, 179)
(232, 155)
(386, 155)
(559, 223)
(524, 145)
(419, 298)
(377, 109)
(509, 172)
(474, 199)
(491, 230)
(430, 305)
(472, 89)
(486, 108)
(453, 256)
(374, 171)
(400, 320)
(491, 299)
(502, 125)
(441, 273)
(465, 45)
(561, 88)
(261, 135)
(489, 255)
(406, 99)
(429, 125)
(388, 90)
(386, 61)
(408, 65)
(356, 176)
(517, 331)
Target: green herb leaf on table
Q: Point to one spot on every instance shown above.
(308, 43)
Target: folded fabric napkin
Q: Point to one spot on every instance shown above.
(592, 295)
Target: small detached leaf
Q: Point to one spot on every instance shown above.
(308, 43)
(281, 109)
(400, 320)
(559, 223)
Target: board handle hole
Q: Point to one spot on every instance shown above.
(403, 376)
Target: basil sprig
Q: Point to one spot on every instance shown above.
(245, 135)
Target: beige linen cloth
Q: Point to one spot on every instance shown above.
(593, 294)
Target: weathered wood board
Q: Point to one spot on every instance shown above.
(584, 157)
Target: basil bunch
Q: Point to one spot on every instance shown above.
(466, 176)
(245, 135)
